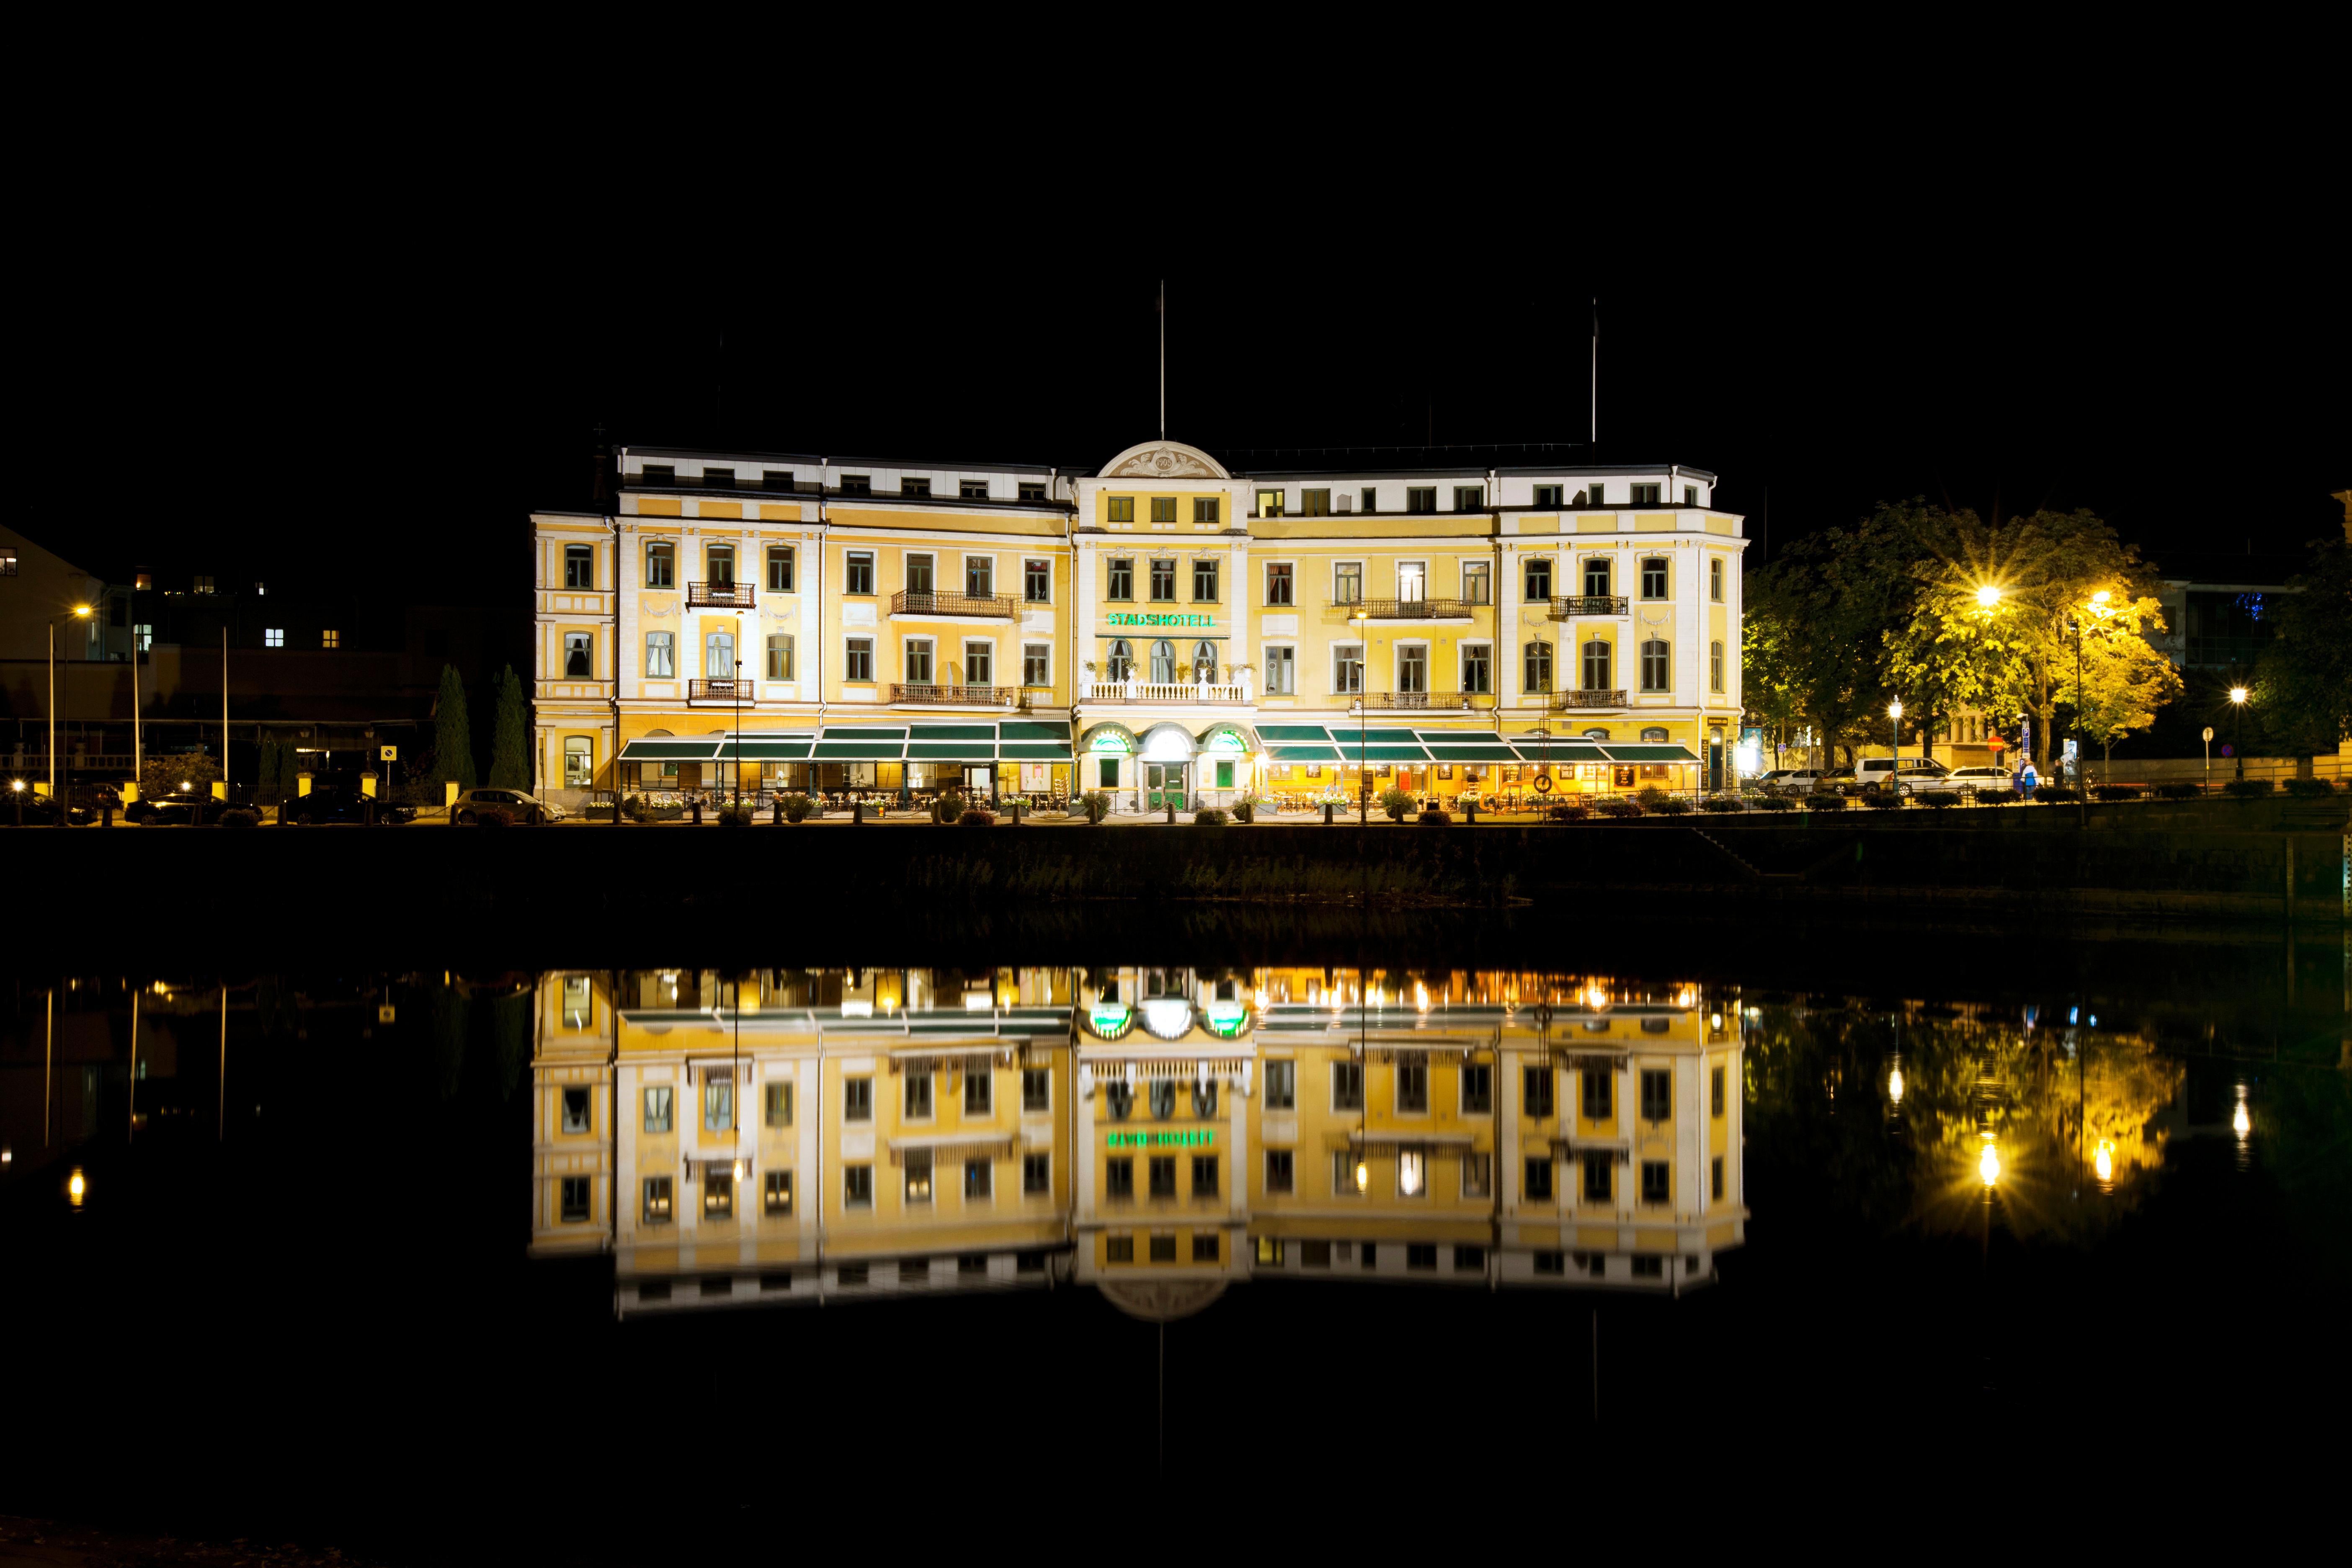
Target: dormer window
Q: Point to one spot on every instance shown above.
(719, 478)
(1033, 493)
(857, 484)
(1690, 495)
(971, 489)
(1548, 495)
(660, 474)
(914, 487)
(776, 479)
(1646, 495)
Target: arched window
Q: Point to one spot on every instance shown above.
(1122, 660)
(1655, 735)
(722, 563)
(718, 656)
(579, 762)
(1119, 1098)
(1596, 666)
(1163, 1098)
(1164, 663)
(1205, 662)
(1596, 734)
(1539, 667)
(577, 663)
(1204, 1098)
(1655, 667)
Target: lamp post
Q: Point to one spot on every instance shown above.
(79, 611)
(2208, 757)
(2238, 696)
(1363, 722)
(1894, 746)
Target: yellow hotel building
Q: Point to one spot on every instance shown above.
(1165, 628)
(797, 1135)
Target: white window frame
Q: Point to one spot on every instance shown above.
(1046, 673)
(1286, 656)
(930, 646)
(989, 561)
(988, 647)
(664, 666)
(1420, 578)
(1337, 566)
(849, 650)
(1265, 585)
(1461, 663)
(1339, 652)
(1396, 662)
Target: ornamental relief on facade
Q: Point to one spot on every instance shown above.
(1164, 463)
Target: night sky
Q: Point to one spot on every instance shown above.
(1825, 318)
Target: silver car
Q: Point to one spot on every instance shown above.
(1979, 780)
(1905, 775)
(528, 810)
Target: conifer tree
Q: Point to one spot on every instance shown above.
(510, 756)
(453, 737)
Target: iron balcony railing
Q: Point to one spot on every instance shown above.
(997, 607)
(1588, 604)
(730, 690)
(1590, 699)
(1440, 701)
(962, 695)
(718, 595)
(1407, 609)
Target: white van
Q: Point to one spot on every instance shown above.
(1907, 776)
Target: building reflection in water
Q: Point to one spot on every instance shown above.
(797, 1136)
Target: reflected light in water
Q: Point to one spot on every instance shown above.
(1895, 1086)
(2241, 1122)
(1596, 998)
(1989, 1163)
(76, 1187)
(2105, 1162)
(1363, 1175)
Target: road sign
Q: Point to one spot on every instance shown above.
(390, 753)
(383, 1011)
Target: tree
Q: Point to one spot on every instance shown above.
(2049, 566)
(266, 784)
(2124, 681)
(510, 743)
(453, 740)
(164, 775)
(1831, 601)
(2304, 680)
(1768, 676)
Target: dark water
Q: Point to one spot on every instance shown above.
(324, 1279)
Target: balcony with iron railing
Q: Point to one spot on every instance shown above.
(718, 595)
(1589, 698)
(730, 689)
(985, 606)
(1588, 604)
(1403, 609)
(1420, 701)
(957, 696)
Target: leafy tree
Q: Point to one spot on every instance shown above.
(2304, 680)
(2124, 681)
(509, 744)
(164, 775)
(1769, 678)
(453, 740)
(1829, 602)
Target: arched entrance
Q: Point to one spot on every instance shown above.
(1164, 768)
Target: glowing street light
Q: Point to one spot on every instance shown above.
(1894, 742)
(1988, 596)
(2239, 697)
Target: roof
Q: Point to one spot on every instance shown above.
(1562, 457)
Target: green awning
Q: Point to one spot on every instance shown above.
(1273, 734)
(1649, 754)
(1303, 753)
(670, 751)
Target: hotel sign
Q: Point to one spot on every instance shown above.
(1171, 621)
(1202, 1138)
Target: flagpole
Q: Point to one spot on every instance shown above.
(1164, 359)
(1593, 402)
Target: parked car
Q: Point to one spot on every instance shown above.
(1907, 776)
(174, 810)
(41, 810)
(335, 804)
(524, 808)
(1835, 781)
(1980, 780)
(1796, 781)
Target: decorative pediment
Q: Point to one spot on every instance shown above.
(1164, 460)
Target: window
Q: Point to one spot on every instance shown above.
(780, 655)
(1163, 509)
(1278, 582)
(1412, 668)
(1372, 498)
(1653, 577)
(918, 1106)
(8, 567)
(143, 634)
(919, 1175)
(719, 1195)
(575, 1199)
(329, 637)
(1537, 1092)
(718, 656)
(1548, 495)
(979, 1093)
(1596, 1178)
(1314, 503)
(1597, 1093)
(971, 489)
(1204, 582)
(1036, 1090)
(576, 1111)
(1164, 1175)
(1596, 666)
(858, 1100)
(978, 1179)
(1036, 664)
(979, 577)
(1690, 495)
(1548, 1262)
(1122, 579)
(780, 569)
(1477, 583)
(1269, 503)
(577, 661)
(1645, 495)
(657, 1200)
(1412, 582)
(1478, 1175)
(1536, 574)
(657, 1110)
(1163, 581)
(1164, 1249)
(203, 585)
(914, 487)
(1469, 498)
(273, 637)
(1477, 1088)
(1278, 1171)
(1348, 582)
(918, 661)
(1477, 668)
(1412, 1084)
(1716, 1091)
(1036, 1173)
(777, 1103)
(1420, 498)
(1538, 662)
(1119, 1178)
(1121, 664)
(1119, 1098)
(718, 478)
(1030, 492)
(1121, 509)
(858, 1186)
(1205, 510)
(580, 566)
(1205, 1175)
(857, 661)
(1657, 1093)
(1653, 1181)
(1347, 1085)
(1596, 577)
(661, 566)
(1281, 671)
(1204, 1246)
(776, 478)
(1163, 1098)
(776, 1193)
(1716, 1175)
(857, 573)
(1714, 666)
(920, 579)
(1413, 1173)
(1715, 579)
(1343, 1173)
(1655, 666)
(1281, 1085)
(718, 1101)
(979, 659)
(720, 559)
(579, 770)
(1119, 1249)
(1037, 582)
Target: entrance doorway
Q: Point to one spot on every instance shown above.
(979, 781)
(1163, 784)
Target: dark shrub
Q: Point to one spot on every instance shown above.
(1208, 816)
(493, 816)
(1774, 803)
(1571, 811)
(796, 807)
(1246, 810)
(1937, 800)
(1096, 806)
(2178, 791)
(976, 817)
(636, 810)
(947, 809)
(1672, 805)
(734, 816)
(1649, 795)
(239, 816)
(1722, 802)
(1436, 818)
(2117, 792)
(1882, 800)
(2056, 794)
(1617, 805)
(2310, 789)
(1396, 803)
(1821, 800)
(2247, 789)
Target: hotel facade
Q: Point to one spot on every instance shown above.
(1166, 629)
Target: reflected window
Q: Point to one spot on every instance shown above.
(1269, 1250)
(1657, 1093)
(1279, 1172)
(718, 1195)
(1343, 1173)
(1597, 1094)
(979, 1092)
(1164, 1175)
(1347, 1087)
(1119, 1249)
(1716, 1177)
(578, 1013)
(719, 1100)
(776, 1193)
(576, 1111)
(919, 1097)
(1537, 1092)
(978, 1179)
(1413, 1173)
(1411, 1083)
(1204, 1246)
(858, 1100)
(657, 1110)
(1163, 1098)
(857, 1190)
(657, 1201)
(1036, 1090)
(1205, 1175)
(919, 1176)
(1478, 1175)
(1164, 1249)
(1119, 1098)
(1119, 1178)
(1281, 1085)
(778, 1107)
(575, 1199)
(1653, 1181)
(1036, 1172)
(1596, 1178)
(1538, 1188)
(1204, 1098)
(1716, 1091)
(1477, 1088)
(1551, 1262)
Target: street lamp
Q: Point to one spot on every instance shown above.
(79, 611)
(1988, 596)
(2238, 696)
(1894, 742)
